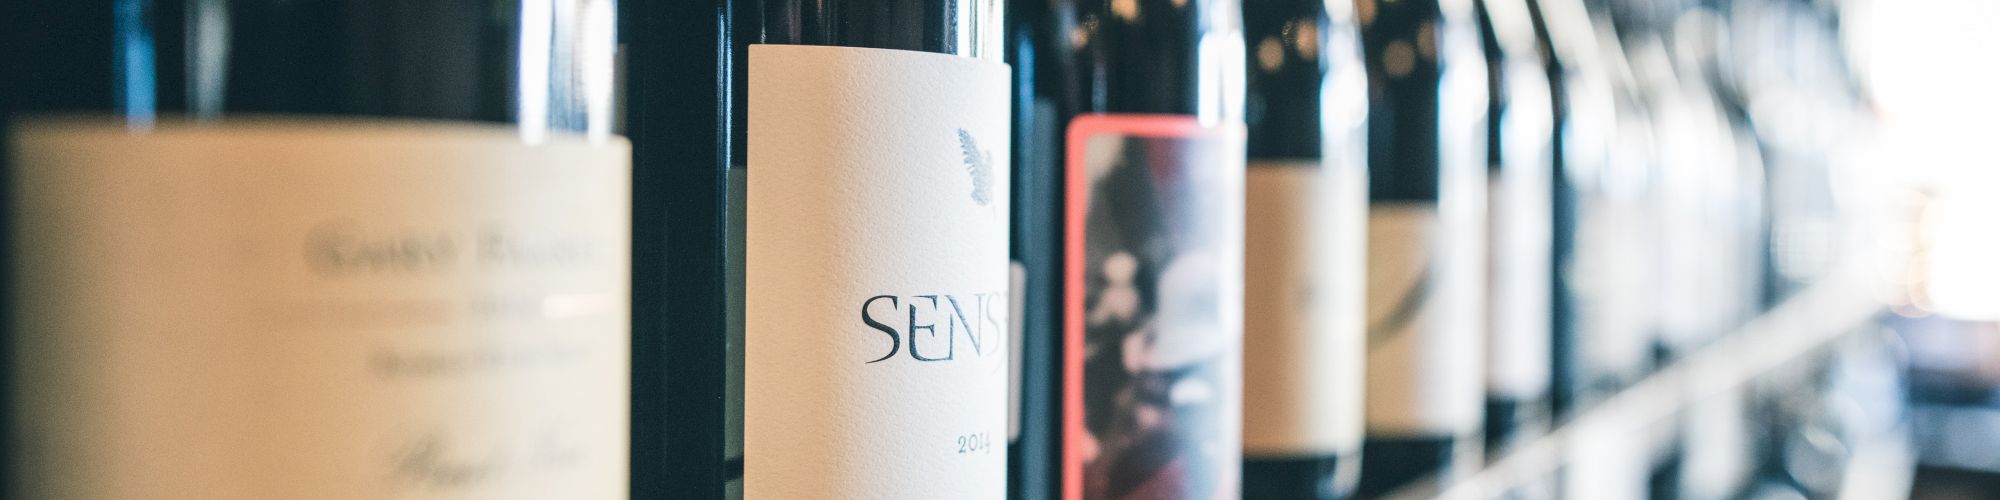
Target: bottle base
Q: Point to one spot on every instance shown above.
(1297, 478)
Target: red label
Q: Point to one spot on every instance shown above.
(1152, 309)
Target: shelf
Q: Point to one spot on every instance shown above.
(1807, 323)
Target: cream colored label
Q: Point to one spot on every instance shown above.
(320, 309)
(1424, 335)
(1303, 342)
(876, 286)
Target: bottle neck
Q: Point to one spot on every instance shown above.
(544, 65)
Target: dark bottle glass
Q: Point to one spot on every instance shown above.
(1520, 152)
(1038, 50)
(1306, 215)
(720, 264)
(339, 236)
(1426, 251)
(684, 444)
(1562, 219)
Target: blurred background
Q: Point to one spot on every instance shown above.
(1870, 369)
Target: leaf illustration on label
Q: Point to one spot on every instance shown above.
(1405, 312)
(978, 164)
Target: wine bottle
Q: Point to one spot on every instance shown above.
(686, 386)
(1520, 145)
(1426, 237)
(1601, 338)
(1744, 211)
(1694, 168)
(267, 249)
(1603, 334)
(1582, 107)
(1628, 232)
(1037, 52)
(1795, 55)
(1718, 439)
(1306, 216)
(1567, 150)
(863, 247)
(1639, 227)
(1150, 108)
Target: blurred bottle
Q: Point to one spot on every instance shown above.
(1581, 144)
(1718, 436)
(1690, 203)
(1788, 69)
(1426, 241)
(1520, 147)
(1801, 94)
(1605, 255)
(1306, 219)
(1149, 98)
(1630, 287)
(1602, 338)
(1040, 51)
(271, 249)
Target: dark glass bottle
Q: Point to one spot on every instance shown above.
(1143, 112)
(684, 445)
(730, 266)
(1584, 113)
(1038, 49)
(1426, 237)
(1610, 276)
(1520, 152)
(1307, 210)
(367, 249)
(1598, 347)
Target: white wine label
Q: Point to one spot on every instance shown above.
(1518, 365)
(320, 309)
(1607, 273)
(1303, 298)
(1608, 461)
(1522, 210)
(1717, 445)
(1424, 323)
(876, 278)
(1153, 308)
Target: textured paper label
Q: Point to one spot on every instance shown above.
(320, 309)
(877, 278)
(1424, 335)
(1303, 300)
(1153, 331)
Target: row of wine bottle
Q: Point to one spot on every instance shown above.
(1031, 249)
